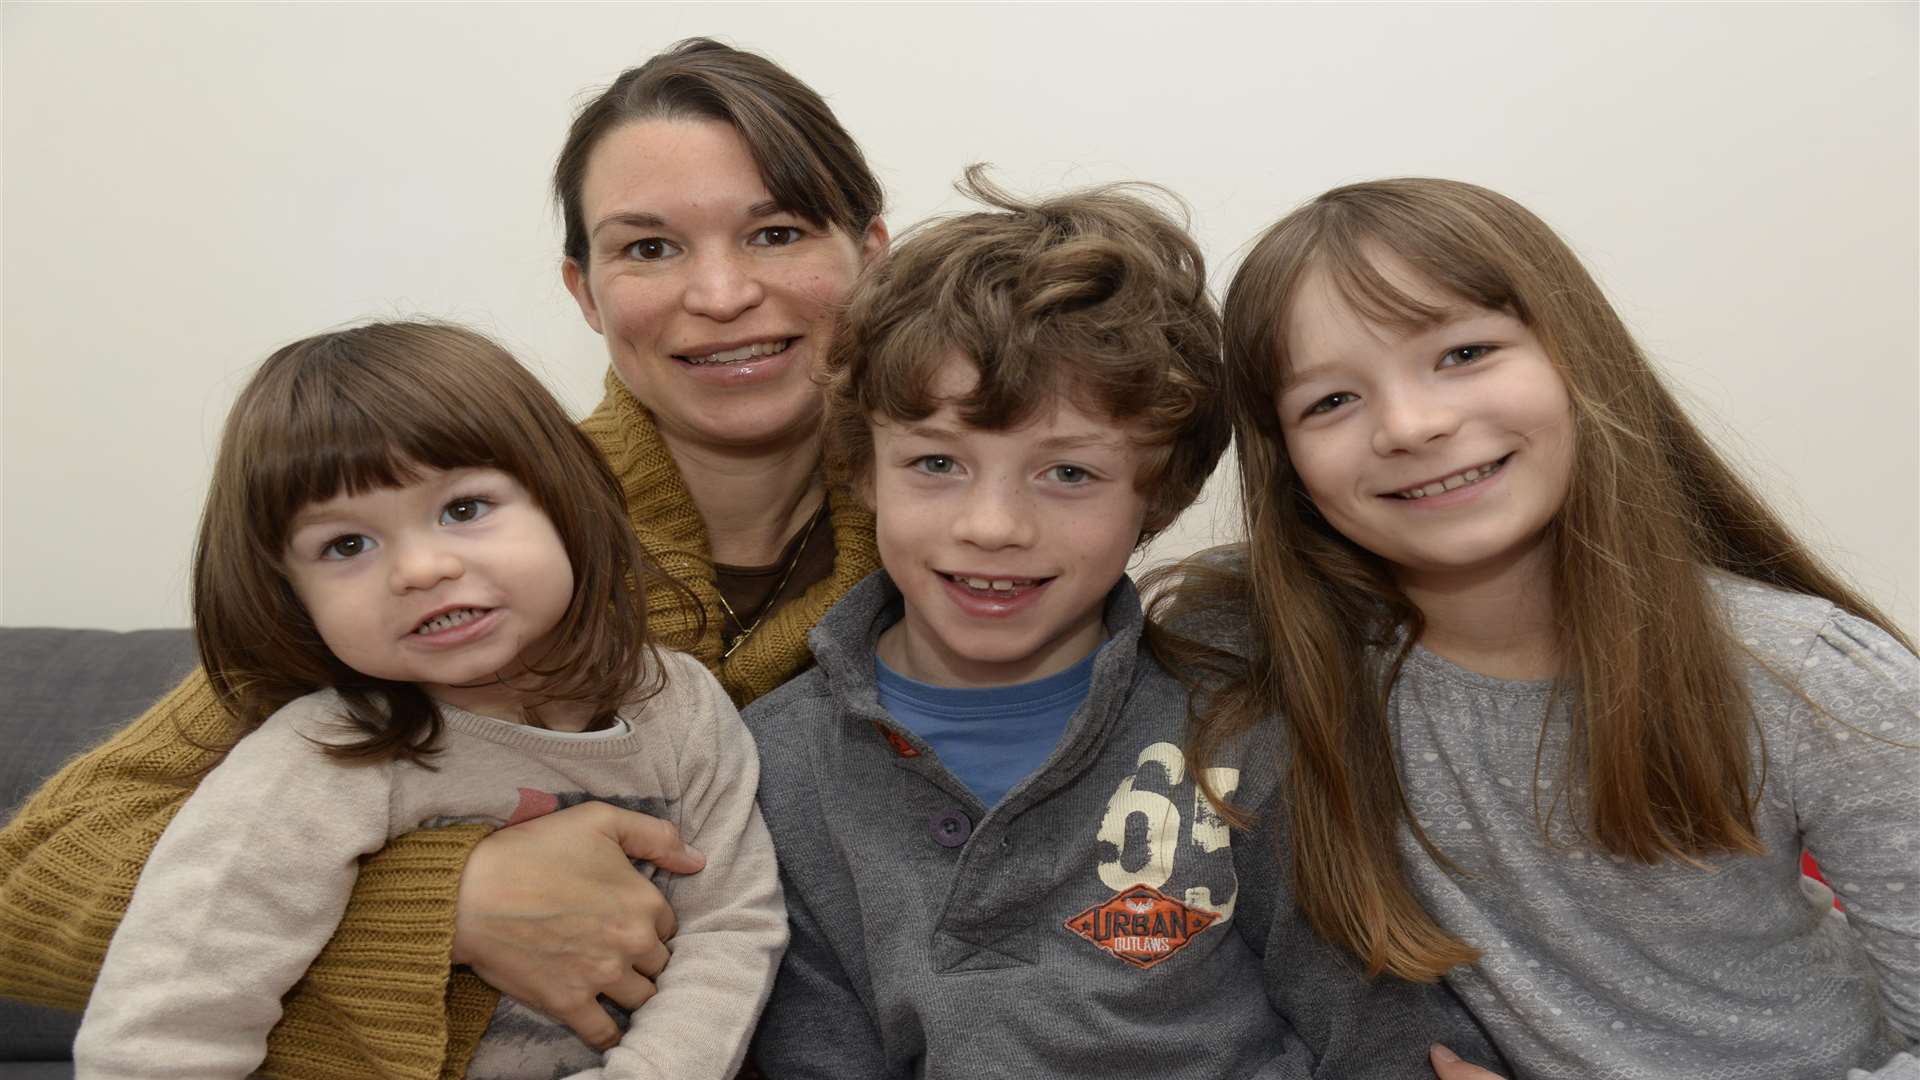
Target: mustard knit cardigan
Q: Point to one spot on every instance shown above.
(382, 999)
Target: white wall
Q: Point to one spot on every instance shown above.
(186, 187)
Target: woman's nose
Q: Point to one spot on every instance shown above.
(723, 285)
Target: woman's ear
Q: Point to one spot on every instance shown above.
(873, 243)
(575, 278)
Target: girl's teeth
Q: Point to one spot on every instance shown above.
(449, 620)
(744, 352)
(1457, 480)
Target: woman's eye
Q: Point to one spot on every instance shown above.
(346, 547)
(1070, 474)
(651, 249)
(1331, 402)
(936, 464)
(777, 236)
(461, 511)
(1465, 354)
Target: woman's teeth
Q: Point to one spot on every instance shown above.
(1457, 480)
(744, 352)
(448, 620)
(1004, 586)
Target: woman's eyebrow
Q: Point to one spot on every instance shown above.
(635, 218)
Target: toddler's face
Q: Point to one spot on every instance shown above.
(453, 582)
(1445, 450)
(1004, 543)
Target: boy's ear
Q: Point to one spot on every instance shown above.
(575, 278)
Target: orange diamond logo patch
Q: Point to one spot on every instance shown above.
(1141, 925)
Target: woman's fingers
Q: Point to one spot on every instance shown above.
(1448, 1066)
(552, 912)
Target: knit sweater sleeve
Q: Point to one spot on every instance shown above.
(376, 1000)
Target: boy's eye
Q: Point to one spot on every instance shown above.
(461, 511)
(937, 464)
(1331, 402)
(651, 249)
(1465, 354)
(1070, 474)
(346, 547)
(777, 236)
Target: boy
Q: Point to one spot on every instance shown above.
(997, 860)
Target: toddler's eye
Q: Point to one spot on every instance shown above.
(1331, 402)
(651, 249)
(346, 547)
(937, 464)
(461, 511)
(777, 236)
(1070, 474)
(1465, 354)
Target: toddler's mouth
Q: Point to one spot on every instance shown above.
(447, 620)
(744, 352)
(1463, 478)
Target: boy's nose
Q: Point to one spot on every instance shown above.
(994, 519)
(722, 286)
(422, 566)
(1407, 421)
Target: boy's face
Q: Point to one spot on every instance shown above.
(1003, 543)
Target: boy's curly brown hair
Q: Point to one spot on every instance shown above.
(1099, 296)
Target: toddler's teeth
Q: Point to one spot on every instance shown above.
(979, 583)
(1002, 586)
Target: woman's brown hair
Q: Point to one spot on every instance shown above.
(1660, 737)
(811, 166)
(367, 408)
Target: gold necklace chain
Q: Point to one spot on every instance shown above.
(773, 598)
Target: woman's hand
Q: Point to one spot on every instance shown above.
(552, 912)
(1448, 1066)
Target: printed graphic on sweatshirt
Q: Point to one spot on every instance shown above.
(1141, 925)
(1166, 856)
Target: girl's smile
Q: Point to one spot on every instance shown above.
(1445, 449)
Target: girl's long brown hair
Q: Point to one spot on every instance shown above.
(1660, 718)
(367, 408)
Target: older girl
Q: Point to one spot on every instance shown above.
(1566, 701)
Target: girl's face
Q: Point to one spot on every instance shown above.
(454, 582)
(716, 305)
(1445, 450)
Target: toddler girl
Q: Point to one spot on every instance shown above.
(1566, 701)
(413, 591)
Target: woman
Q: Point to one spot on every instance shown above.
(715, 213)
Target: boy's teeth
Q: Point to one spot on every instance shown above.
(448, 620)
(992, 584)
(744, 352)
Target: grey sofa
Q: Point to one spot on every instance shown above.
(62, 691)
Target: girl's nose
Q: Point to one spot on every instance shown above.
(1407, 420)
(723, 286)
(420, 566)
(993, 518)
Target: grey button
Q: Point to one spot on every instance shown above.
(950, 828)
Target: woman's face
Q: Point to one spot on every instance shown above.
(716, 304)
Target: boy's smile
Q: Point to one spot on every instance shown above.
(1004, 544)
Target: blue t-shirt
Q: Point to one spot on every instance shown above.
(992, 737)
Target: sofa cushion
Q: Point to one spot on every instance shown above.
(62, 691)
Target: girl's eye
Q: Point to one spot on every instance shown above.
(1072, 475)
(935, 464)
(1331, 402)
(777, 236)
(346, 547)
(461, 511)
(651, 249)
(1465, 354)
